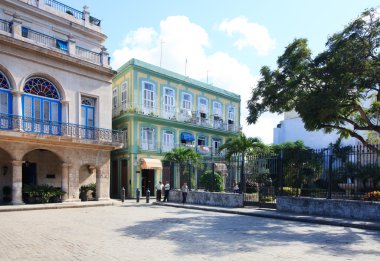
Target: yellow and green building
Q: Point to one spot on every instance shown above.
(158, 110)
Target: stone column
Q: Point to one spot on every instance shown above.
(86, 15)
(72, 45)
(17, 110)
(16, 26)
(17, 182)
(104, 57)
(65, 181)
(102, 185)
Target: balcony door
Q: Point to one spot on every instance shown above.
(87, 117)
(5, 102)
(41, 107)
(169, 103)
(147, 138)
(148, 98)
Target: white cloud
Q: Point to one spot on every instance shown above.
(184, 40)
(249, 34)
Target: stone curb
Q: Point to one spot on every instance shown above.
(284, 216)
(53, 206)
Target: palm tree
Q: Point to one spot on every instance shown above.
(183, 156)
(242, 146)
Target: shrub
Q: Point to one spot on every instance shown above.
(212, 182)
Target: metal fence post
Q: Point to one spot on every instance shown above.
(329, 185)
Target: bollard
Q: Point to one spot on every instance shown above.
(122, 194)
(147, 195)
(137, 195)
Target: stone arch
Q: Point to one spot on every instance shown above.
(47, 77)
(9, 76)
(5, 174)
(42, 166)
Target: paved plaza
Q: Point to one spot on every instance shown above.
(149, 232)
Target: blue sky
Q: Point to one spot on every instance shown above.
(224, 42)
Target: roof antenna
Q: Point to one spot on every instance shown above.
(162, 42)
(185, 66)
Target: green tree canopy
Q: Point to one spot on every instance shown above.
(241, 146)
(339, 89)
(182, 156)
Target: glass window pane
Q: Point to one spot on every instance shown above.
(54, 112)
(46, 115)
(3, 102)
(28, 107)
(83, 116)
(37, 109)
(90, 117)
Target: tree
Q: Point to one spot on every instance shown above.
(241, 146)
(212, 181)
(301, 165)
(182, 156)
(337, 90)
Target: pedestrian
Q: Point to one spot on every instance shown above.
(167, 189)
(236, 187)
(158, 191)
(184, 190)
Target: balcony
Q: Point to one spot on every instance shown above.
(17, 29)
(79, 132)
(178, 115)
(205, 151)
(62, 8)
(5, 26)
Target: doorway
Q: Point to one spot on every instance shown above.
(147, 181)
(29, 173)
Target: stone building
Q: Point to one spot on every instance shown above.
(55, 96)
(159, 110)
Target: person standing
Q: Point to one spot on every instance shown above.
(158, 191)
(184, 190)
(167, 189)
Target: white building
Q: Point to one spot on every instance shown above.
(55, 94)
(292, 129)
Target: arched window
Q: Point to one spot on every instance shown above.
(41, 106)
(5, 102)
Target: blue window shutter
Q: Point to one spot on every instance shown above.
(62, 45)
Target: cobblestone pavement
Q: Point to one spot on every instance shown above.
(149, 232)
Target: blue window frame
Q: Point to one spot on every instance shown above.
(88, 117)
(41, 107)
(5, 102)
(62, 45)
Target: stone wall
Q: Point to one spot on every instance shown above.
(355, 209)
(208, 198)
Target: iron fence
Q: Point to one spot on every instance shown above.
(342, 173)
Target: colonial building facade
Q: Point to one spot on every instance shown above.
(159, 110)
(55, 96)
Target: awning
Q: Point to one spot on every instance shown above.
(187, 136)
(222, 168)
(147, 163)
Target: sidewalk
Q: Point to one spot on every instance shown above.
(272, 213)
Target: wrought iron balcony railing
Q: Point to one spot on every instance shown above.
(87, 54)
(45, 40)
(204, 150)
(85, 133)
(5, 26)
(180, 115)
(71, 11)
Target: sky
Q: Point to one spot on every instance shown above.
(220, 42)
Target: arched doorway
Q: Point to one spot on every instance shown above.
(42, 167)
(87, 182)
(5, 177)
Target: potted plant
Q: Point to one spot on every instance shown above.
(83, 192)
(92, 188)
(57, 194)
(7, 192)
